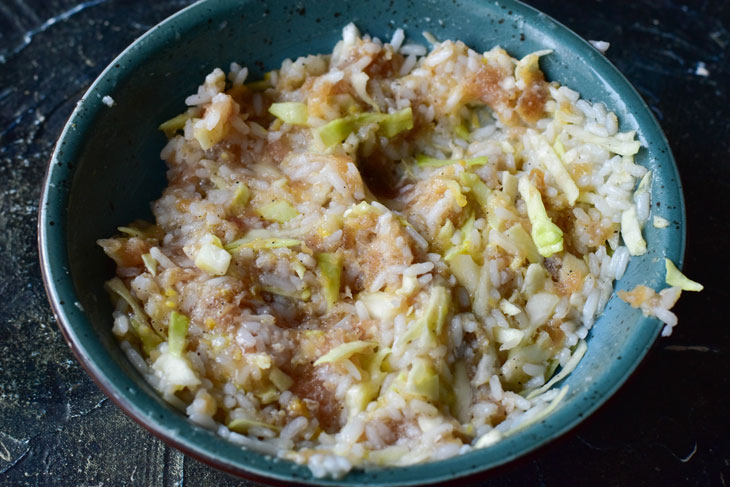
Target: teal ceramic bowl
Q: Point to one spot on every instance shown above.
(106, 169)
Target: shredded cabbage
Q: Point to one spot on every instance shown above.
(642, 199)
(528, 65)
(547, 156)
(570, 365)
(280, 211)
(241, 195)
(346, 350)
(423, 379)
(170, 127)
(377, 362)
(206, 135)
(463, 393)
(133, 232)
(443, 238)
(559, 148)
(540, 307)
(660, 222)
(498, 210)
(361, 208)
(262, 243)
(534, 281)
(259, 360)
(676, 278)
(429, 325)
(150, 340)
(488, 439)
(547, 236)
(466, 271)
(149, 336)
(358, 396)
(614, 144)
(539, 352)
(176, 331)
(150, 263)
(330, 268)
(524, 244)
(631, 232)
(260, 85)
(541, 414)
(379, 304)
(508, 337)
(477, 187)
(455, 189)
(481, 296)
(336, 131)
(466, 245)
(389, 124)
(268, 395)
(410, 284)
(509, 185)
(290, 112)
(462, 132)
(302, 295)
(359, 81)
(644, 185)
(280, 380)
(509, 308)
(394, 123)
(242, 425)
(394, 454)
(175, 371)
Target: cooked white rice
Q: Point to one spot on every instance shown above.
(391, 269)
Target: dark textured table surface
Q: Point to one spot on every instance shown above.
(670, 423)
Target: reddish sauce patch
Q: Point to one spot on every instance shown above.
(308, 386)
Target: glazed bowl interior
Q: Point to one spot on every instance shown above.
(106, 169)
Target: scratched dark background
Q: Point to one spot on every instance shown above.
(669, 425)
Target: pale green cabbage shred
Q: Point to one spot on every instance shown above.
(547, 236)
(674, 277)
(290, 112)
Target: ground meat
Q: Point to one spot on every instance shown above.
(431, 202)
(385, 64)
(486, 86)
(370, 250)
(531, 103)
(516, 102)
(571, 274)
(637, 296)
(553, 329)
(308, 385)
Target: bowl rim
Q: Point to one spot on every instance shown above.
(54, 265)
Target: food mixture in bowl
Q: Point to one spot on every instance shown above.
(380, 256)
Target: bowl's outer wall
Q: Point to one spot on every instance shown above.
(106, 169)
